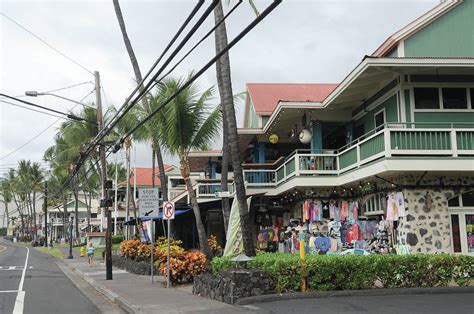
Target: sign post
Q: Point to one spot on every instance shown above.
(168, 214)
(148, 202)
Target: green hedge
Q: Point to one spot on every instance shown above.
(349, 272)
(116, 239)
(3, 231)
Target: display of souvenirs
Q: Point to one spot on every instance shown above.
(330, 227)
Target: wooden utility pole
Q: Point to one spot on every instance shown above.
(103, 168)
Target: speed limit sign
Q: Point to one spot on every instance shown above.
(168, 210)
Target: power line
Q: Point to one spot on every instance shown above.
(39, 111)
(39, 134)
(55, 90)
(46, 43)
(68, 115)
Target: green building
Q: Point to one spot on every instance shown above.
(401, 122)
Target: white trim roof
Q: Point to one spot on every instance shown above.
(391, 42)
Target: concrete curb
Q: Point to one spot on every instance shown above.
(352, 293)
(109, 294)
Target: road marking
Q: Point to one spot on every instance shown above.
(19, 303)
(9, 291)
(11, 267)
(20, 297)
(2, 248)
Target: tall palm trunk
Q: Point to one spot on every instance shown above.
(76, 211)
(138, 77)
(225, 173)
(225, 90)
(64, 216)
(7, 214)
(185, 173)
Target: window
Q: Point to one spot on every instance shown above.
(468, 199)
(454, 98)
(379, 118)
(472, 98)
(456, 233)
(426, 98)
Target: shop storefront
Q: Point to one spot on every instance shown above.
(461, 211)
(330, 225)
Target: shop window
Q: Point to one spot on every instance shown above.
(472, 98)
(468, 199)
(375, 204)
(470, 233)
(379, 118)
(426, 98)
(454, 98)
(456, 234)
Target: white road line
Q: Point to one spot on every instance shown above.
(11, 267)
(9, 291)
(20, 297)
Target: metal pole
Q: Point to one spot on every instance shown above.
(168, 267)
(51, 233)
(103, 166)
(116, 196)
(127, 195)
(152, 226)
(46, 213)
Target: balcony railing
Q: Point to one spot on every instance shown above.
(393, 140)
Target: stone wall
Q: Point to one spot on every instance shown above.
(230, 285)
(427, 226)
(132, 266)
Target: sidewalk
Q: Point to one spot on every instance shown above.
(136, 294)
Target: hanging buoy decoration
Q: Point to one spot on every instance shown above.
(305, 136)
(273, 138)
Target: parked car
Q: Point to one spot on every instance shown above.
(37, 242)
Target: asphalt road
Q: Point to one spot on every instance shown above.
(429, 303)
(41, 287)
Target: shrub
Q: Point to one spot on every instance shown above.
(117, 239)
(185, 267)
(349, 272)
(214, 245)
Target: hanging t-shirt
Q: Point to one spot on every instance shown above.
(392, 208)
(316, 212)
(332, 208)
(344, 210)
(401, 204)
(355, 211)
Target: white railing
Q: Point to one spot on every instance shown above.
(390, 141)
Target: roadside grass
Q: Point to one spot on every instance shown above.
(51, 251)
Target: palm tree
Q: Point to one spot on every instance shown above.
(224, 84)
(6, 192)
(188, 123)
(155, 144)
(36, 177)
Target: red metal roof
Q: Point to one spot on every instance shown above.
(144, 176)
(265, 96)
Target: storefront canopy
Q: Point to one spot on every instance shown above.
(159, 217)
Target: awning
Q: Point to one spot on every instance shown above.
(160, 216)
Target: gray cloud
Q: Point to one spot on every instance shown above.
(302, 41)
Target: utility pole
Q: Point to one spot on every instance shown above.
(103, 166)
(116, 196)
(46, 214)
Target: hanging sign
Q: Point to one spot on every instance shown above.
(168, 210)
(147, 200)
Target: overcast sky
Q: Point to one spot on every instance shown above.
(301, 41)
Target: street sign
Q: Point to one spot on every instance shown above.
(222, 194)
(168, 210)
(147, 200)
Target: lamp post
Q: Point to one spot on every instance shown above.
(51, 232)
(33, 93)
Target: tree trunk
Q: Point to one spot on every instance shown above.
(7, 214)
(138, 77)
(225, 173)
(225, 91)
(203, 244)
(76, 212)
(34, 213)
(64, 217)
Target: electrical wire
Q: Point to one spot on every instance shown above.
(39, 111)
(46, 43)
(39, 134)
(175, 37)
(54, 90)
(257, 20)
